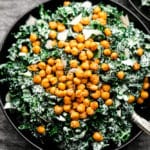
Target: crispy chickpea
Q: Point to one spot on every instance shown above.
(84, 81)
(80, 38)
(82, 56)
(93, 87)
(140, 51)
(33, 67)
(53, 25)
(105, 44)
(83, 115)
(103, 15)
(75, 124)
(74, 105)
(70, 92)
(86, 102)
(94, 105)
(109, 102)
(131, 99)
(51, 61)
(48, 70)
(89, 54)
(146, 85)
(146, 79)
(79, 93)
(61, 44)
(59, 66)
(79, 73)
(106, 87)
(45, 83)
(78, 27)
(67, 100)
(67, 49)
(80, 46)
(85, 21)
(42, 65)
(69, 84)
(90, 111)
(96, 95)
(87, 44)
(53, 34)
(73, 43)
(73, 63)
(98, 137)
(81, 87)
(59, 73)
(74, 115)
(62, 78)
(53, 80)
(93, 46)
(96, 10)
(49, 76)
(120, 75)
(52, 90)
(107, 52)
(61, 86)
(114, 55)
(70, 76)
(136, 66)
(107, 32)
(85, 65)
(85, 93)
(94, 78)
(33, 37)
(60, 27)
(54, 69)
(36, 49)
(102, 21)
(42, 73)
(67, 108)
(94, 66)
(41, 129)
(95, 16)
(58, 109)
(87, 73)
(97, 60)
(140, 100)
(105, 67)
(81, 108)
(24, 49)
(105, 95)
(36, 43)
(66, 3)
(74, 51)
(144, 94)
(37, 79)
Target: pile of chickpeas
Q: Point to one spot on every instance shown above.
(79, 87)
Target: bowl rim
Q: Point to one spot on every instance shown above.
(124, 8)
(140, 12)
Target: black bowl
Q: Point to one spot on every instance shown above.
(144, 11)
(12, 117)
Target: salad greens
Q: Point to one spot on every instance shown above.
(124, 71)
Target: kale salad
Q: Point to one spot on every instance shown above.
(76, 74)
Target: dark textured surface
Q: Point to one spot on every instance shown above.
(10, 12)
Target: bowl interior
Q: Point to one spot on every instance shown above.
(13, 116)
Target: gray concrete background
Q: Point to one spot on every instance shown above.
(10, 12)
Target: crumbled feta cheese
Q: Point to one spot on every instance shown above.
(62, 36)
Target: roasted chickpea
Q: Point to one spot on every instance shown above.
(75, 124)
(94, 78)
(146, 85)
(94, 66)
(67, 100)
(73, 63)
(41, 129)
(90, 111)
(45, 83)
(94, 105)
(87, 73)
(85, 20)
(61, 44)
(52, 90)
(86, 102)
(85, 65)
(81, 108)
(93, 46)
(96, 10)
(107, 52)
(58, 109)
(61, 86)
(106, 87)
(144, 94)
(96, 95)
(79, 93)
(140, 51)
(105, 95)
(37, 79)
(82, 56)
(107, 32)
(62, 78)
(66, 3)
(89, 54)
(67, 108)
(105, 44)
(60, 27)
(36, 49)
(114, 55)
(53, 34)
(74, 51)
(70, 76)
(105, 67)
(24, 49)
(109, 102)
(42, 73)
(33, 37)
(42, 65)
(53, 80)
(98, 137)
(136, 66)
(78, 27)
(83, 115)
(103, 15)
(73, 43)
(120, 75)
(131, 99)
(74, 115)
(53, 25)
(140, 100)
(36, 43)
(80, 38)
(85, 93)
(51, 61)
(80, 46)
(79, 73)
(48, 70)
(70, 92)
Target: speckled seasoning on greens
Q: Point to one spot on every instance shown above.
(76, 74)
